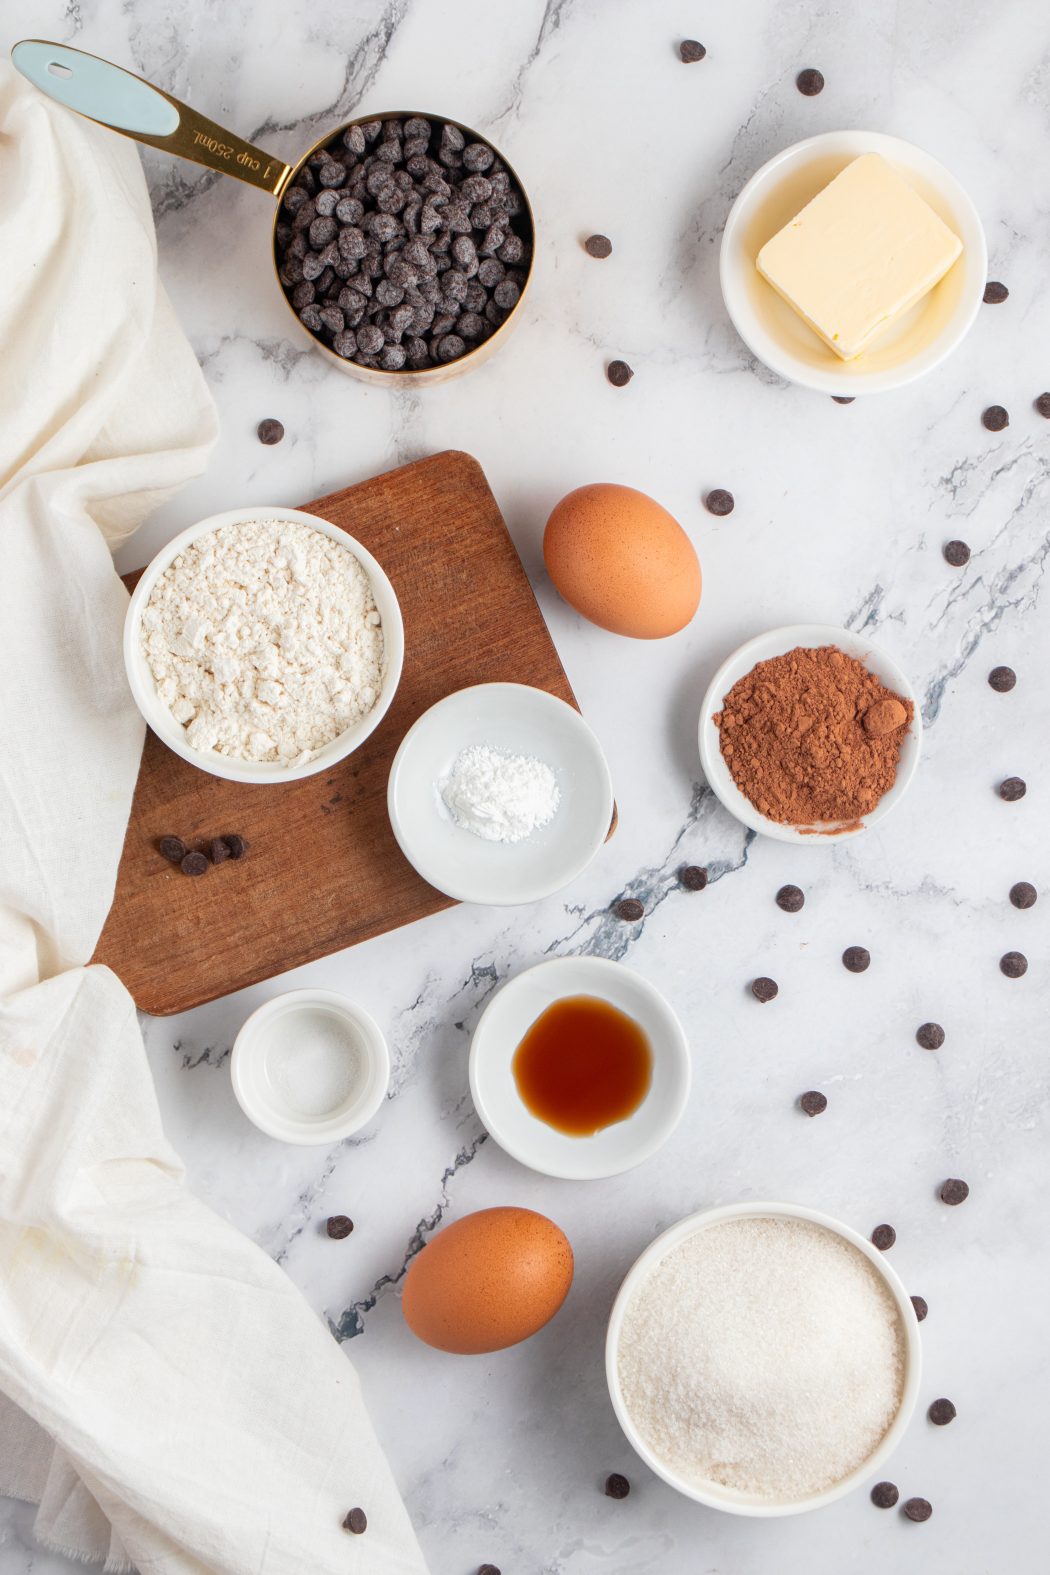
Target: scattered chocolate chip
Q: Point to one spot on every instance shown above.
(921, 1308)
(995, 293)
(1013, 964)
(619, 373)
(810, 82)
(1023, 894)
(693, 877)
(237, 845)
(930, 1036)
(883, 1237)
(691, 51)
(218, 849)
(995, 418)
(1042, 404)
(918, 1509)
(270, 431)
(489, 1569)
(629, 909)
(843, 399)
(720, 502)
(954, 1191)
(1002, 679)
(1013, 788)
(942, 1412)
(764, 989)
(813, 1102)
(791, 899)
(173, 848)
(957, 553)
(339, 1226)
(856, 958)
(598, 246)
(194, 863)
(884, 1495)
(356, 1521)
(617, 1486)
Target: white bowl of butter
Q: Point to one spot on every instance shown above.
(877, 284)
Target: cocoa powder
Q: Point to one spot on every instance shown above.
(812, 736)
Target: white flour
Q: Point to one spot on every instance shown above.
(766, 1355)
(264, 641)
(499, 796)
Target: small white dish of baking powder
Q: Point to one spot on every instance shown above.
(500, 794)
(310, 1067)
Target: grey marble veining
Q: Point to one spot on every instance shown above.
(841, 516)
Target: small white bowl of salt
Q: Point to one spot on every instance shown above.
(310, 1066)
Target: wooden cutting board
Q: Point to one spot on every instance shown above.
(323, 870)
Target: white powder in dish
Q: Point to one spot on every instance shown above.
(314, 1062)
(766, 1355)
(264, 641)
(500, 796)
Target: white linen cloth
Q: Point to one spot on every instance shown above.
(165, 1394)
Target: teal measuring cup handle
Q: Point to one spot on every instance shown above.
(113, 97)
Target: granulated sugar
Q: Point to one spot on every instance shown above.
(763, 1354)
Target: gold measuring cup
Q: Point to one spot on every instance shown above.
(124, 102)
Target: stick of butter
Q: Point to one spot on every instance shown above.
(862, 252)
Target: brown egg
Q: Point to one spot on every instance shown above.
(622, 561)
(487, 1281)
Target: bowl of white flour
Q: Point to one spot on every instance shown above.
(763, 1358)
(263, 644)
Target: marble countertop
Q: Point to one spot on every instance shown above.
(840, 518)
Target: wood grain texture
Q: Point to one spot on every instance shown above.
(323, 870)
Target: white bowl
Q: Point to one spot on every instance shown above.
(776, 643)
(715, 1494)
(776, 334)
(518, 720)
(504, 1023)
(272, 1067)
(170, 732)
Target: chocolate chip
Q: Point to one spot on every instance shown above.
(791, 899)
(489, 1569)
(883, 1237)
(598, 246)
(1013, 964)
(813, 1102)
(1012, 788)
(856, 958)
(1042, 404)
(619, 373)
(995, 293)
(930, 1036)
(616, 1486)
(690, 51)
(942, 1412)
(1023, 894)
(764, 989)
(693, 877)
(918, 1509)
(843, 399)
(236, 845)
(629, 909)
(339, 1226)
(271, 431)
(810, 82)
(356, 1521)
(995, 418)
(1002, 679)
(954, 1191)
(957, 553)
(720, 502)
(921, 1309)
(173, 848)
(194, 863)
(884, 1495)
(218, 850)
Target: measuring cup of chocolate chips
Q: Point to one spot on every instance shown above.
(403, 243)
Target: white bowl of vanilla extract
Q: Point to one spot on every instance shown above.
(579, 1068)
